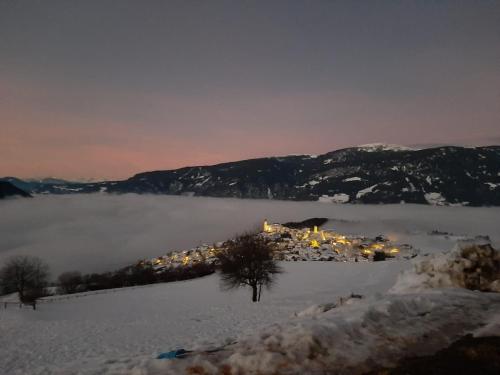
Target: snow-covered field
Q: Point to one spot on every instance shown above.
(123, 330)
(148, 320)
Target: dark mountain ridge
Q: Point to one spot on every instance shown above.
(9, 190)
(370, 174)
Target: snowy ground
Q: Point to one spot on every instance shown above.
(112, 332)
(122, 332)
(151, 319)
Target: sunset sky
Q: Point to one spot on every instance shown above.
(105, 89)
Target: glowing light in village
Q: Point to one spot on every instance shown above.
(293, 244)
(314, 244)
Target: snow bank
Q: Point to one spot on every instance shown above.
(315, 310)
(469, 265)
(492, 328)
(366, 333)
(349, 340)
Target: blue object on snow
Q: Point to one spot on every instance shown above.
(172, 354)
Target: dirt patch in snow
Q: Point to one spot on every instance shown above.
(469, 355)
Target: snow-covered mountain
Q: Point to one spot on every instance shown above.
(35, 184)
(376, 173)
(371, 147)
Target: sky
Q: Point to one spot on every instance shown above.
(105, 89)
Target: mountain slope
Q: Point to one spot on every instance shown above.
(35, 185)
(365, 174)
(9, 190)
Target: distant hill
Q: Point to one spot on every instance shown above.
(34, 185)
(375, 173)
(9, 190)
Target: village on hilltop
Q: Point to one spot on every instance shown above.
(299, 243)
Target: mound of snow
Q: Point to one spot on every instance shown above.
(436, 199)
(349, 340)
(469, 265)
(315, 310)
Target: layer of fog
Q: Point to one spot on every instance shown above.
(101, 232)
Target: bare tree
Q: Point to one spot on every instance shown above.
(25, 275)
(69, 282)
(248, 260)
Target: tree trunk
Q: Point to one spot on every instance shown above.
(260, 291)
(254, 293)
(20, 293)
